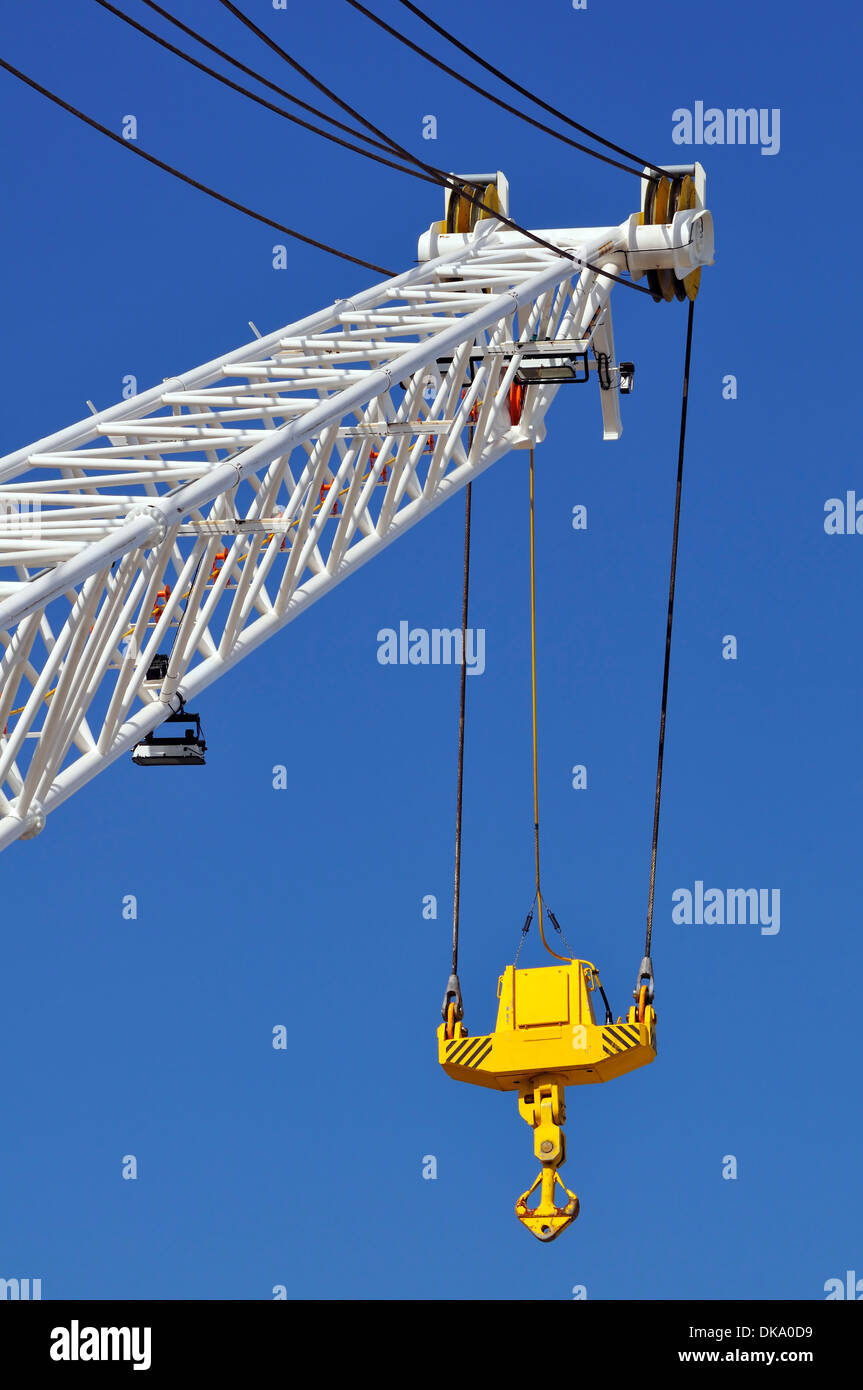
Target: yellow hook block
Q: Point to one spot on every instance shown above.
(541, 1103)
(547, 1038)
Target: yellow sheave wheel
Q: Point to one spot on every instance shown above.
(459, 210)
(463, 215)
(683, 200)
(662, 214)
(490, 205)
(656, 214)
(664, 198)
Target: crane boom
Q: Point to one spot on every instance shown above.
(146, 550)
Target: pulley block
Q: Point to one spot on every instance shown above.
(663, 198)
(547, 1038)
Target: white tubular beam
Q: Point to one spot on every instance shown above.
(82, 771)
(143, 529)
(197, 519)
(92, 428)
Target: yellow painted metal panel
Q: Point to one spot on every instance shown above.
(541, 996)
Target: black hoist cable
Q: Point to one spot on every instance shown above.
(453, 989)
(472, 196)
(187, 178)
(538, 899)
(259, 100)
(646, 972)
(258, 76)
(498, 101)
(517, 87)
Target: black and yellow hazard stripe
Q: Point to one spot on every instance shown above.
(618, 1038)
(468, 1052)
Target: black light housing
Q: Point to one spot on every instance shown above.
(157, 669)
(165, 750)
(561, 369)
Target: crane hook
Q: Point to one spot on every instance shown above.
(541, 1103)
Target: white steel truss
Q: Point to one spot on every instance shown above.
(200, 517)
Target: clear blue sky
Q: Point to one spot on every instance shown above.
(260, 907)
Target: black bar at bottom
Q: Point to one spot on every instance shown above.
(86, 1339)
